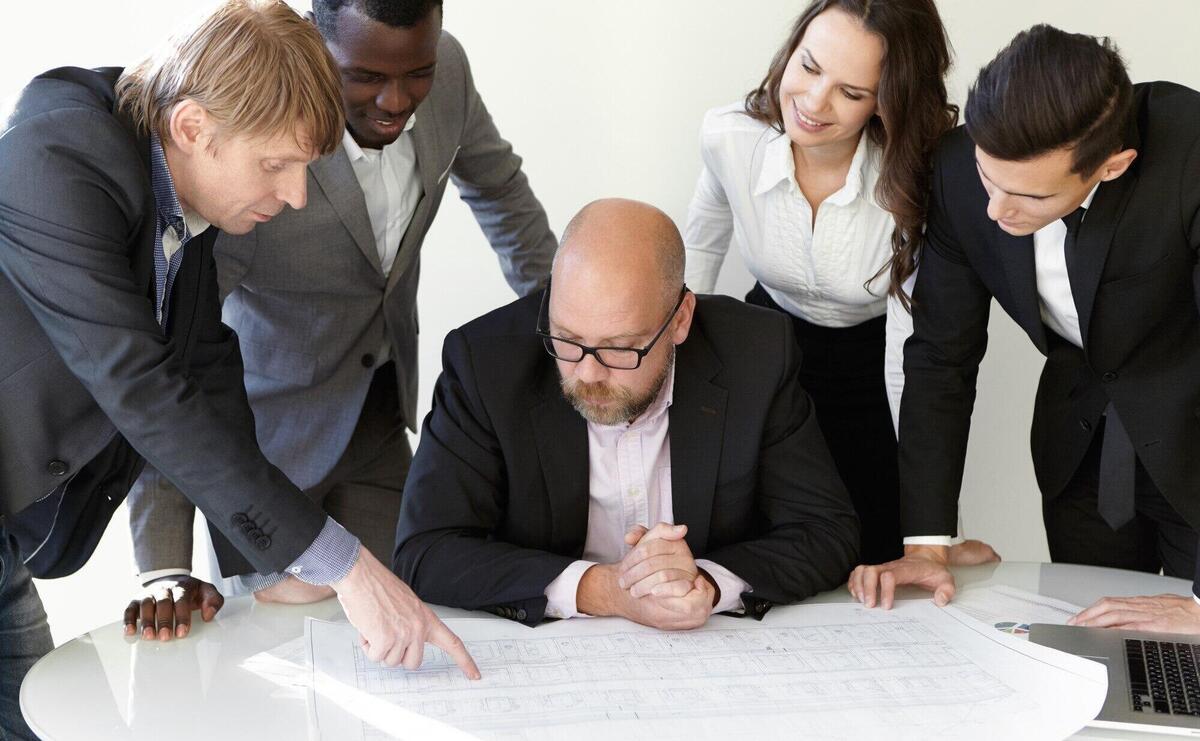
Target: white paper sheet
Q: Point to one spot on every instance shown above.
(1011, 610)
(827, 671)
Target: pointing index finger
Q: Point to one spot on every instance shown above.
(445, 639)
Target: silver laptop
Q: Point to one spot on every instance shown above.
(1153, 678)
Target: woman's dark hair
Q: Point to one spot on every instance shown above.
(914, 110)
(1049, 89)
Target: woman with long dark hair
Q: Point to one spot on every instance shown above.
(821, 177)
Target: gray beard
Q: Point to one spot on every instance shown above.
(627, 408)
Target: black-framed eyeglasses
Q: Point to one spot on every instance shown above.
(617, 358)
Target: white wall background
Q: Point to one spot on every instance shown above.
(605, 99)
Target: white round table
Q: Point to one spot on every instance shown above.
(104, 685)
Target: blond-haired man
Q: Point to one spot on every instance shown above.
(114, 351)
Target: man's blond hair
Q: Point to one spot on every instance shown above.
(256, 66)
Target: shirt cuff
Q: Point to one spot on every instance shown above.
(329, 558)
(148, 576)
(259, 582)
(561, 593)
(929, 540)
(731, 586)
(1195, 597)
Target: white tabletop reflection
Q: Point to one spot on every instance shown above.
(235, 679)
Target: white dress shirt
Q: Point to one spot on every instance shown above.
(629, 483)
(748, 193)
(1056, 304)
(391, 186)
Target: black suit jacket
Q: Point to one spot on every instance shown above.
(89, 383)
(1135, 277)
(496, 502)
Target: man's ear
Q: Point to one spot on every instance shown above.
(1116, 165)
(189, 126)
(683, 319)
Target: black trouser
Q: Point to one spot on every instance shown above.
(842, 370)
(1157, 538)
(24, 635)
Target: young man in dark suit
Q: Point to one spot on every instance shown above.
(113, 347)
(1073, 199)
(617, 445)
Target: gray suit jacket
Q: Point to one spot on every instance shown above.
(89, 383)
(310, 303)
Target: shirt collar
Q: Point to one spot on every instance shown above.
(1087, 202)
(662, 402)
(166, 200)
(779, 167)
(356, 153)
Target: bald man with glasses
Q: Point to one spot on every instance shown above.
(617, 445)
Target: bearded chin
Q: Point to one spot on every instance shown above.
(622, 405)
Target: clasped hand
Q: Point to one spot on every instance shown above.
(659, 583)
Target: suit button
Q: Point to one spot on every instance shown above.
(262, 542)
(368, 360)
(1085, 425)
(254, 534)
(1109, 377)
(521, 614)
(57, 468)
(238, 518)
(248, 526)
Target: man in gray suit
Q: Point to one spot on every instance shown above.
(324, 300)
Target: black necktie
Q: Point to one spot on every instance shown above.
(1117, 458)
(1073, 220)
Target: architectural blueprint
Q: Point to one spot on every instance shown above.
(832, 671)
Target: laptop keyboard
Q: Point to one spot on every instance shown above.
(1163, 677)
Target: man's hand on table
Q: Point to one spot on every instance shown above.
(657, 583)
(972, 553)
(1165, 613)
(166, 609)
(924, 566)
(599, 594)
(660, 564)
(393, 623)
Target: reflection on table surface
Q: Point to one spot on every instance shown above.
(105, 685)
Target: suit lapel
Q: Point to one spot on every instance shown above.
(1017, 254)
(561, 437)
(1085, 264)
(697, 431)
(424, 134)
(335, 175)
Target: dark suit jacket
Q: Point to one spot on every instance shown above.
(87, 377)
(496, 502)
(1135, 277)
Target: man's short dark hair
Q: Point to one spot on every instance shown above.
(1050, 89)
(395, 13)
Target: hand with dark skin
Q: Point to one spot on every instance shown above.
(166, 610)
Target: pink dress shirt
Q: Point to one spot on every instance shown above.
(629, 483)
